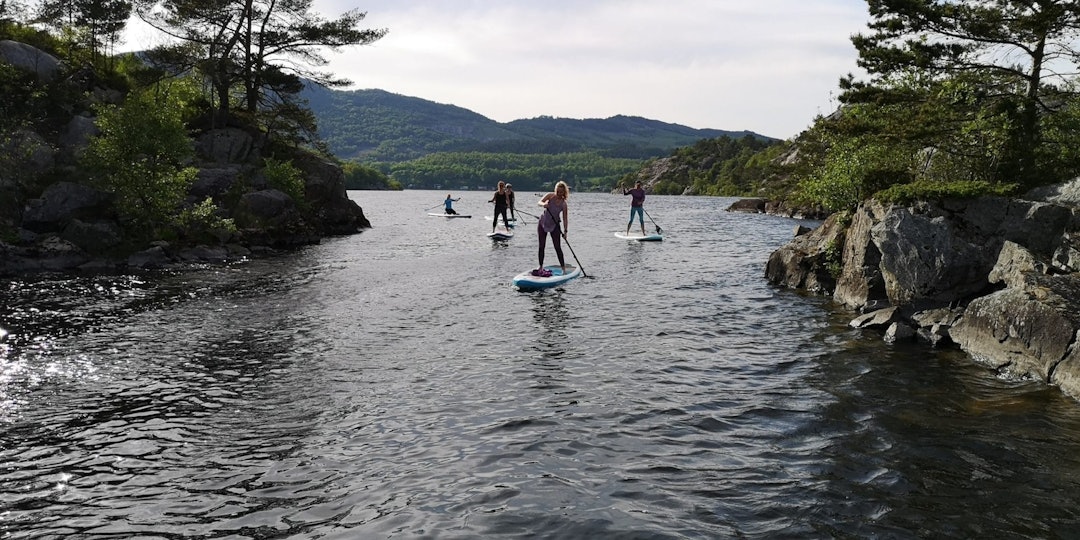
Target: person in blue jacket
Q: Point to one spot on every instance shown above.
(449, 205)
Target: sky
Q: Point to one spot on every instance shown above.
(768, 66)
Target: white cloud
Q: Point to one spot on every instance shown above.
(764, 65)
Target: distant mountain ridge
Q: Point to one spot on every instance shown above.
(380, 126)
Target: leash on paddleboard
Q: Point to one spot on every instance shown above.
(548, 210)
(658, 229)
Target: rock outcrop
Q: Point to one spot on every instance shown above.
(998, 277)
(50, 225)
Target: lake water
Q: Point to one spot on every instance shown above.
(393, 384)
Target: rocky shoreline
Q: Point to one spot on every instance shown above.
(996, 277)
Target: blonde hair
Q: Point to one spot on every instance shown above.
(561, 184)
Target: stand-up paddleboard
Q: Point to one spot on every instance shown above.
(526, 281)
(448, 215)
(640, 238)
(501, 234)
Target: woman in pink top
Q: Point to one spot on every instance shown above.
(554, 204)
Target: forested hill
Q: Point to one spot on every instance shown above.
(379, 126)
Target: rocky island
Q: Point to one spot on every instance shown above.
(54, 218)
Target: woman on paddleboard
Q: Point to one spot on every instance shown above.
(637, 206)
(502, 202)
(554, 203)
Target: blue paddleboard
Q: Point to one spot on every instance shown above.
(526, 281)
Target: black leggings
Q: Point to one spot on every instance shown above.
(495, 218)
(554, 243)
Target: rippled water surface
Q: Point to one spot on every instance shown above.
(393, 384)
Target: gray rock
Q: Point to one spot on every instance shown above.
(1066, 193)
(807, 261)
(752, 206)
(899, 331)
(31, 59)
(205, 254)
(228, 145)
(1014, 261)
(154, 257)
(1023, 332)
(214, 181)
(63, 202)
(264, 209)
(76, 137)
(860, 283)
(924, 263)
(93, 236)
(881, 318)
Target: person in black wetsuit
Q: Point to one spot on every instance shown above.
(501, 203)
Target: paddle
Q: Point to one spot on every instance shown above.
(548, 210)
(658, 230)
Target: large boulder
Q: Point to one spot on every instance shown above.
(861, 283)
(76, 137)
(1026, 331)
(324, 190)
(63, 202)
(810, 260)
(226, 145)
(266, 209)
(44, 65)
(752, 206)
(924, 262)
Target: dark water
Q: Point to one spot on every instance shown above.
(393, 385)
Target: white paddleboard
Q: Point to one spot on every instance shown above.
(501, 234)
(448, 215)
(640, 238)
(526, 281)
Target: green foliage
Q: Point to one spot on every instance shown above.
(285, 177)
(834, 258)
(360, 176)
(851, 170)
(967, 71)
(139, 156)
(204, 221)
(926, 190)
(585, 171)
(723, 166)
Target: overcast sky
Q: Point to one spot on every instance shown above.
(768, 66)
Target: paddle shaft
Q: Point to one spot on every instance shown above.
(548, 210)
(658, 231)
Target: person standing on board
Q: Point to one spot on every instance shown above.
(637, 206)
(510, 200)
(555, 205)
(500, 200)
(448, 205)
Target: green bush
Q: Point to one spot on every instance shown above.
(283, 176)
(139, 156)
(927, 190)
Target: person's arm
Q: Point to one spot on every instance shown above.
(565, 220)
(543, 200)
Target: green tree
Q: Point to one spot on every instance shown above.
(258, 49)
(998, 63)
(140, 153)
